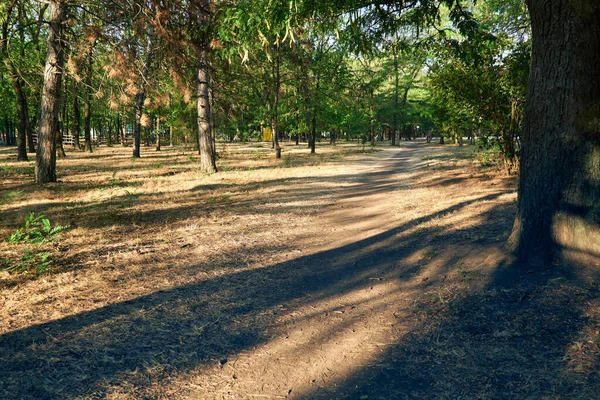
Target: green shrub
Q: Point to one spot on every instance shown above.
(31, 261)
(37, 229)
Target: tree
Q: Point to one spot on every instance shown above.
(205, 126)
(21, 24)
(558, 204)
(45, 161)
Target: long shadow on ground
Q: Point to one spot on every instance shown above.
(190, 325)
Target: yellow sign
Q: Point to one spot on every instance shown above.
(267, 134)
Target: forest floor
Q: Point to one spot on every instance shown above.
(341, 275)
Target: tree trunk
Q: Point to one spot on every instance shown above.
(205, 140)
(297, 130)
(313, 135)
(213, 131)
(313, 131)
(396, 95)
(45, 161)
(140, 97)
(87, 114)
(558, 206)
(76, 120)
(275, 116)
(109, 139)
(157, 134)
(22, 110)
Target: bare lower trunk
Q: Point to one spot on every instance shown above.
(139, 99)
(137, 125)
(45, 162)
(76, 120)
(109, 136)
(313, 135)
(396, 95)
(275, 116)
(87, 112)
(22, 111)
(157, 134)
(558, 205)
(313, 132)
(205, 140)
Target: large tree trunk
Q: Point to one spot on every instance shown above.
(45, 161)
(207, 152)
(205, 135)
(558, 205)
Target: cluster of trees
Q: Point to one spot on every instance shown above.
(196, 69)
(304, 67)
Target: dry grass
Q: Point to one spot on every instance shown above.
(337, 275)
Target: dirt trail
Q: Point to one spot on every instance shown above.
(363, 279)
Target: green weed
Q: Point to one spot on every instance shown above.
(37, 229)
(31, 261)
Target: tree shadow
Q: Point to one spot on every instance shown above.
(149, 338)
(529, 333)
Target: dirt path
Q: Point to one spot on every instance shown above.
(378, 277)
(347, 320)
(358, 287)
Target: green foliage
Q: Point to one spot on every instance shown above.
(37, 229)
(32, 261)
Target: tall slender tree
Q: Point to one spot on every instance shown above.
(45, 165)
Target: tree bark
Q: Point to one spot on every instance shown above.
(87, 112)
(558, 206)
(157, 133)
(22, 111)
(205, 135)
(205, 140)
(396, 95)
(140, 97)
(313, 135)
(275, 115)
(17, 84)
(45, 161)
(109, 138)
